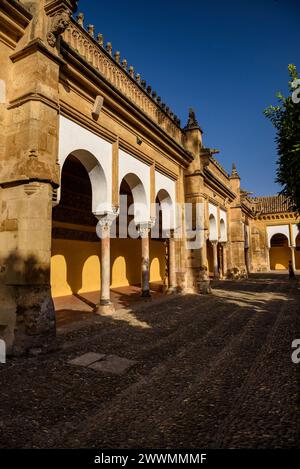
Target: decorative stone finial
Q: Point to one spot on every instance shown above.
(138, 78)
(109, 48)
(149, 89)
(124, 64)
(234, 173)
(117, 56)
(100, 39)
(163, 105)
(158, 99)
(91, 29)
(192, 122)
(143, 83)
(131, 71)
(80, 19)
(154, 94)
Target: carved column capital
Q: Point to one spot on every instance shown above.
(104, 223)
(145, 227)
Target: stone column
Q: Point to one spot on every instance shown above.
(203, 250)
(224, 245)
(247, 259)
(220, 253)
(172, 264)
(293, 257)
(144, 229)
(268, 258)
(103, 229)
(215, 258)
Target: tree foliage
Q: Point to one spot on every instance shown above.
(286, 119)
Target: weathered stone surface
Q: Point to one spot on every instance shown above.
(86, 359)
(211, 371)
(113, 364)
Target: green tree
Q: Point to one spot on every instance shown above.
(286, 119)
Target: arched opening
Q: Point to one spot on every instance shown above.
(139, 198)
(76, 248)
(164, 205)
(297, 252)
(222, 230)
(280, 253)
(125, 249)
(213, 235)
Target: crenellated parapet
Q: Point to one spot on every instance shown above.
(115, 70)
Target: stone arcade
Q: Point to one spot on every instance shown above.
(79, 129)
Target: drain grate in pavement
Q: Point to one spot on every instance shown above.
(104, 363)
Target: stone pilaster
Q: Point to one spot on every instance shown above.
(26, 309)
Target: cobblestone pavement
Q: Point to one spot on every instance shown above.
(208, 371)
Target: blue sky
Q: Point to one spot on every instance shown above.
(226, 59)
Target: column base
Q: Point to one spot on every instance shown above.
(145, 294)
(171, 290)
(105, 307)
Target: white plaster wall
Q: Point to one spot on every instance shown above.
(73, 137)
(213, 234)
(278, 229)
(130, 165)
(167, 184)
(295, 232)
(223, 215)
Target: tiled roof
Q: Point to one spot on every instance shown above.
(270, 204)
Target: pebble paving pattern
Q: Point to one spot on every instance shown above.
(209, 371)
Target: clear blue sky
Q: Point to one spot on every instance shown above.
(226, 59)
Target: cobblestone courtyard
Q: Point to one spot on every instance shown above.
(206, 371)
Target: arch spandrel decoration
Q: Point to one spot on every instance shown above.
(96, 156)
(278, 229)
(165, 189)
(166, 206)
(140, 204)
(223, 234)
(295, 234)
(213, 229)
(223, 228)
(137, 175)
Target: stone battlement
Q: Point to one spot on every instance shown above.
(120, 76)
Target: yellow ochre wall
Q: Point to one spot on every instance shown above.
(75, 265)
(297, 259)
(279, 257)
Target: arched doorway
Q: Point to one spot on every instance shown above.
(126, 249)
(160, 241)
(75, 263)
(280, 252)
